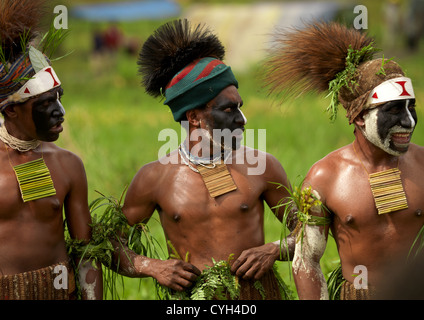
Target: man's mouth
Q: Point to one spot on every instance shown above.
(57, 128)
(238, 132)
(401, 138)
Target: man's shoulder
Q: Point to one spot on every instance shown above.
(251, 152)
(59, 153)
(416, 152)
(156, 174)
(160, 166)
(416, 149)
(329, 165)
(257, 161)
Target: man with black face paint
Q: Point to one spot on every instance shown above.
(48, 113)
(370, 189)
(38, 180)
(210, 207)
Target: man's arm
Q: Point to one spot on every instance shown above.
(174, 274)
(311, 241)
(140, 203)
(308, 277)
(79, 220)
(253, 263)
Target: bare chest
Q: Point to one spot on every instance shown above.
(13, 207)
(187, 199)
(355, 211)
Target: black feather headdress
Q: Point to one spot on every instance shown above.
(172, 47)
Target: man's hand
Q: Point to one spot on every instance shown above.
(175, 274)
(253, 263)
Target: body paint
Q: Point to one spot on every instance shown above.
(309, 246)
(47, 114)
(89, 288)
(384, 125)
(313, 244)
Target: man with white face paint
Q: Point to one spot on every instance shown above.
(210, 208)
(382, 126)
(372, 188)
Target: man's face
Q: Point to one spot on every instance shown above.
(47, 114)
(391, 125)
(224, 120)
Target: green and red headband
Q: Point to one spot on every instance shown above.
(197, 84)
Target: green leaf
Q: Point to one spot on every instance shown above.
(38, 60)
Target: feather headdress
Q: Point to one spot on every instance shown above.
(172, 47)
(20, 61)
(19, 20)
(184, 63)
(329, 58)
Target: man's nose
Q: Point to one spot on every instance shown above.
(241, 118)
(59, 110)
(407, 120)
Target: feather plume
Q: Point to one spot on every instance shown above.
(172, 47)
(308, 59)
(19, 21)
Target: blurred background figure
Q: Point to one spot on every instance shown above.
(112, 38)
(393, 22)
(414, 24)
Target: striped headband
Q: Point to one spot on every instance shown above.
(197, 84)
(9, 78)
(20, 81)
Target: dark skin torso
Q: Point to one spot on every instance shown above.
(208, 227)
(199, 227)
(204, 227)
(365, 238)
(362, 235)
(31, 233)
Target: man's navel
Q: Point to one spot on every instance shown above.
(244, 207)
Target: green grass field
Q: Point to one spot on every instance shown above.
(113, 125)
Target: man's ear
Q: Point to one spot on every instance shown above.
(193, 117)
(359, 120)
(10, 111)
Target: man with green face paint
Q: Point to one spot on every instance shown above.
(38, 180)
(372, 188)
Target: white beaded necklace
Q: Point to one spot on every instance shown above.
(15, 143)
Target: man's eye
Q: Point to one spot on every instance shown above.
(227, 110)
(395, 110)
